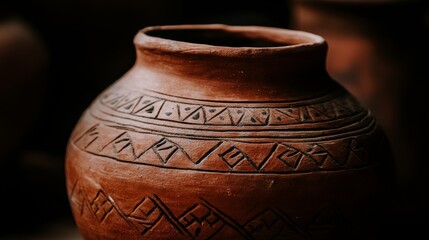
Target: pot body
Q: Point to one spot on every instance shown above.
(164, 155)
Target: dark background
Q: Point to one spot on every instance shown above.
(57, 56)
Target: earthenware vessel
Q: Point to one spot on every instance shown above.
(227, 132)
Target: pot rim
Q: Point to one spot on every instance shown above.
(293, 40)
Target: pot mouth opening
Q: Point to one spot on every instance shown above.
(215, 37)
(229, 37)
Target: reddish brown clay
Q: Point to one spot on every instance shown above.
(227, 132)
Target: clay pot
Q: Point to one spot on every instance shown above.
(23, 60)
(227, 132)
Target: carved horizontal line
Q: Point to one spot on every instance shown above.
(267, 134)
(337, 122)
(260, 127)
(327, 95)
(142, 106)
(248, 140)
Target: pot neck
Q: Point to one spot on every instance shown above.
(258, 58)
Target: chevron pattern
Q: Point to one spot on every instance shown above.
(201, 220)
(139, 105)
(221, 155)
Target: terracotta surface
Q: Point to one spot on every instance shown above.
(222, 132)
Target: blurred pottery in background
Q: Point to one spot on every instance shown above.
(22, 78)
(230, 133)
(30, 177)
(377, 51)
